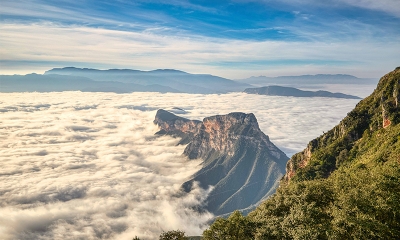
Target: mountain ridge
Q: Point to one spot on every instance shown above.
(57, 83)
(176, 79)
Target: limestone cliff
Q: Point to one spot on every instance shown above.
(327, 152)
(240, 162)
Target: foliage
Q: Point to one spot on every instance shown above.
(235, 227)
(173, 235)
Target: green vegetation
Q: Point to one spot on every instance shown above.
(173, 235)
(338, 145)
(235, 227)
(345, 186)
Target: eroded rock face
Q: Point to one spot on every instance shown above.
(221, 133)
(299, 160)
(240, 162)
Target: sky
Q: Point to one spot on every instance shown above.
(233, 39)
(89, 165)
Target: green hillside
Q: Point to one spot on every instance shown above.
(344, 185)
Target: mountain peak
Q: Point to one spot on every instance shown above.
(165, 116)
(239, 160)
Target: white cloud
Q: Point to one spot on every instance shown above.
(87, 165)
(46, 45)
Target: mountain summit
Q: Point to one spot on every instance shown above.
(240, 162)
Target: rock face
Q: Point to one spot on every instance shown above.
(294, 92)
(325, 154)
(240, 162)
(396, 93)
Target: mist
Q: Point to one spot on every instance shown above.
(88, 165)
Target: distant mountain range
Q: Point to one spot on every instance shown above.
(119, 81)
(174, 79)
(58, 83)
(239, 161)
(308, 80)
(160, 80)
(294, 92)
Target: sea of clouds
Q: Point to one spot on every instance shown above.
(88, 165)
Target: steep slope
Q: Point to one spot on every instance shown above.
(182, 81)
(294, 92)
(327, 152)
(240, 162)
(344, 185)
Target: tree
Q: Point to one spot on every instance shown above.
(235, 227)
(173, 235)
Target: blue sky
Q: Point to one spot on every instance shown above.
(234, 39)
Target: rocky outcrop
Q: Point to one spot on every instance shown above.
(240, 164)
(385, 113)
(299, 160)
(170, 124)
(294, 92)
(326, 153)
(396, 93)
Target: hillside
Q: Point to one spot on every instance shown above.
(344, 185)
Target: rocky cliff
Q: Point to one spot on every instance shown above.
(326, 153)
(240, 162)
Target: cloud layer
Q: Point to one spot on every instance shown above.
(358, 37)
(88, 166)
